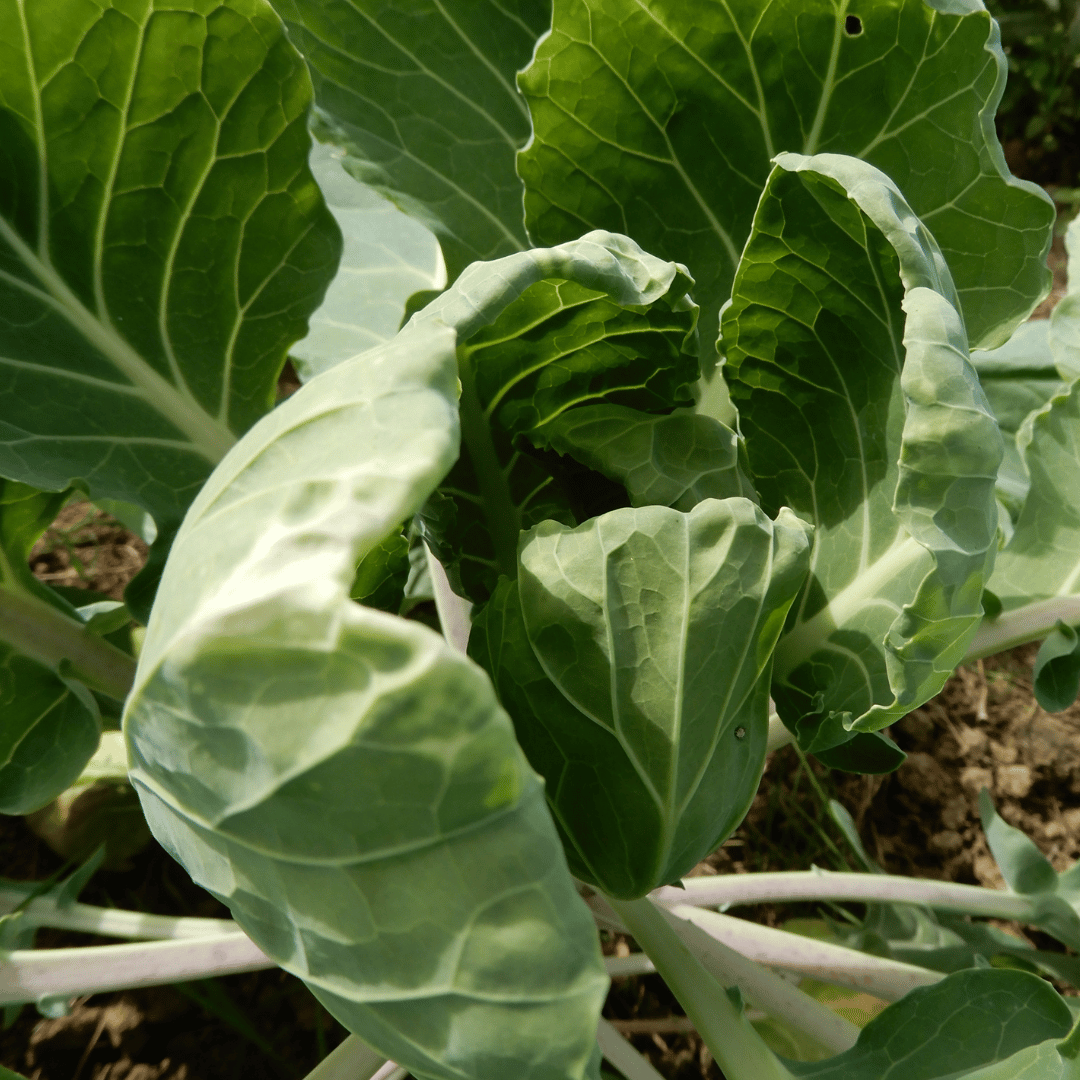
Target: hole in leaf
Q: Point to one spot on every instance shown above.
(853, 26)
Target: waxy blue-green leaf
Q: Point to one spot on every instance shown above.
(1019, 378)
(848, 361)
(421, 97)
(1027, 871)
(673, 460)
(634, 657)
(1056, 673)
(49, 720)
(981, 1024)
(659, 118)
(1065, 318)
(342, 778)
(387, 257)
(540, 334)
(162, 240)
(1037, 575)
(383, 572)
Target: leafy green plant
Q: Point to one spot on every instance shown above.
(694, 459)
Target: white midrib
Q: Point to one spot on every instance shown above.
(209, 438)
(827, 86)
(862, 592)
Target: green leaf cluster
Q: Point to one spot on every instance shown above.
(643, 211)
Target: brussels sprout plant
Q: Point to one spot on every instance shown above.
(713, 422)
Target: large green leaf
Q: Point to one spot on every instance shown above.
(673, 460)
(543, 333)
(162, 240)
(658, 118)
(388, 256)
(982, 1024)
(49, 720)
(861, 412)
(421, 96)
(634, 656)
(342, 778)
(1019, 378)
(1041, 564)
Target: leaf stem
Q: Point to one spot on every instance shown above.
(503, 518)
(618, 1051)
(109, 922)
(1032, 622)
(454, 611)
(351, 1060)
(47, 635)
(829, 885)
(722, 1025)
(30, 974)
(835, 964)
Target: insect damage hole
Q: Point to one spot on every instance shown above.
(853, 26)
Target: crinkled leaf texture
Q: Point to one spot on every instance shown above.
(422, 98)
(1040, 566)
(387, 257)
(634, 655)
(848, 361)
(162, 240)
(658, 118)
(674, 460)
(979, 1024)
(1039, 569)
(340, 777)
(1019, 378)
(542, 334)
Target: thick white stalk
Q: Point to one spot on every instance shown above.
(762, 988)
(779, 735)
(109, 922)
(622, 1055)
(815, 884)
(635, 964)
(889, 980)
(352, 1060)
(1032, 622)
(738, 1049)
(454, 611)
(32, 974)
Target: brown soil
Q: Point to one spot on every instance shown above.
(85, 548)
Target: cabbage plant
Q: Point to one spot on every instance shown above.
(678, 353)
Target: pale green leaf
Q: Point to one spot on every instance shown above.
(387, 256)
(635, 663)
(541, 334)
(422, 98)
(975, 1024)
(1042, 561)
(848, 361)
(673, 460)
(1019, 378)
(341, 777)
(1065, 318)
(162, 240)
(659, 118)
